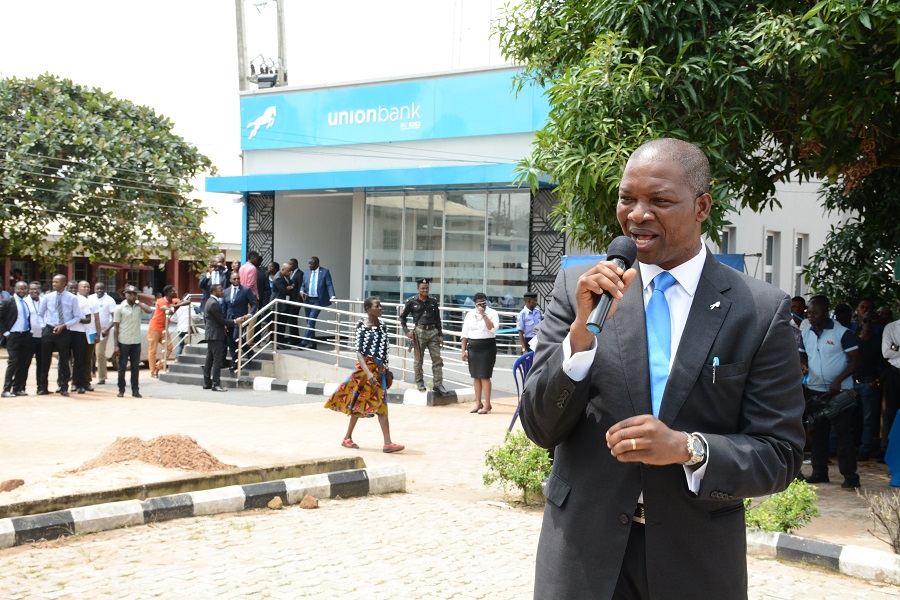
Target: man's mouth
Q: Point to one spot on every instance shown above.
(642, 238)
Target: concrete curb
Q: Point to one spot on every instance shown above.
(853, 561)
(394, 396)
(384, 479)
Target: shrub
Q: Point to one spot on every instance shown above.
(885, 511)
(519, 463)
(785, 511)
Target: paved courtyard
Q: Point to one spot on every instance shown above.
(448, 537)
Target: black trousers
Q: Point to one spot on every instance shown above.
(213, 367)
(78, 344)
(821, 431)
(129, 353)
(632, 583)
(59, 343)
(35, 354)
(18, 346)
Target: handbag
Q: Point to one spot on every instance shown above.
(830, 406)
(388, 379)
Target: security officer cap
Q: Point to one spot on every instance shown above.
(424, 280)
(530, 295)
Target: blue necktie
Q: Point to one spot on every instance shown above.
(659, 338)
(26, 312)
(314, 283)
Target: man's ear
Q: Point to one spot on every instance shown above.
(702, 206)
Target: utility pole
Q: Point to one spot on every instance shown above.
(241, 46)
(282, 49)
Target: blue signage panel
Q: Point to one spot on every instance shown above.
(451, 106)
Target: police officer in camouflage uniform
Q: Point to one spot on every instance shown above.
(426, 316)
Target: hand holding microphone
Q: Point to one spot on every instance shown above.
(623, 252)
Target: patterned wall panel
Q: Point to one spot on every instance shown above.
(261, 225)
(547, 247)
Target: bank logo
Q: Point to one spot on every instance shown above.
(407, 116)
(267, 119)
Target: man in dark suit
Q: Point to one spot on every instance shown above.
(239, 301)
(317, 290)
(286, 286)
(658, 442)
(215, 339)
(15, 326)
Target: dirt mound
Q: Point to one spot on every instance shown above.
(169, 451)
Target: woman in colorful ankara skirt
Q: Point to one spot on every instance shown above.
(364, 392)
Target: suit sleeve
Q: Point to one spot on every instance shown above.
(205, 280)
(329, 284)
(253, 304)
(765, 453)
(4, 309)
(553, 404)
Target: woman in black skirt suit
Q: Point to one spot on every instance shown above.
(479, 349)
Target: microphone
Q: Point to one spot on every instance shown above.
(623, 252)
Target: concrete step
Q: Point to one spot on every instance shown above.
(194, 360)
(196, 379)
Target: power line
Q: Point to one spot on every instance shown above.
(75, 179)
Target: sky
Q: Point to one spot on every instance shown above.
(180, 56)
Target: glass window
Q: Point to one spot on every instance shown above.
(384, 222)
(423, 237)
(509, 215)
(463, 241)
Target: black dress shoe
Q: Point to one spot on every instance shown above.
(218, 388)
(63, 392)
(817, 479)
(207, 387)
(421, 387)
(88, 388)
(440, 389)
(43, 393)
(120, 395)
(136, 395)
(79, 390)
(21, 393)
(6, 394)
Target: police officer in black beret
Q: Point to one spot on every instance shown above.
(426, 334)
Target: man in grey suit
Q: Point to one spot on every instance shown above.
(661, 429)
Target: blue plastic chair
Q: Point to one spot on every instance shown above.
(520, 370)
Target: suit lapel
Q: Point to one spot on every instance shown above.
(703, 324)
(630, 329)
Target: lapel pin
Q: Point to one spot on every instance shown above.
(716, 305)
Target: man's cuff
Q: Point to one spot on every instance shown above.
(577, 366)
(695, 475)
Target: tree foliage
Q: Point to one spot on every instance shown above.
(857, 259)
(82, 170)
(771, 91)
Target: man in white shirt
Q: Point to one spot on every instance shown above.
(106, 307)
(890, 348)
(84, 335)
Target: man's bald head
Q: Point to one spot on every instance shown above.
(691, 159)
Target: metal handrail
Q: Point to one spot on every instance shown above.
(339, 325)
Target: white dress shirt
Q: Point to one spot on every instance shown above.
(475, 328)
(679, 297)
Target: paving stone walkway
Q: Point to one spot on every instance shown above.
(395, 546)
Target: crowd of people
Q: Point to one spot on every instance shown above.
(851, 383)
(77, 325)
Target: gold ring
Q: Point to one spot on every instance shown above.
(633, 444)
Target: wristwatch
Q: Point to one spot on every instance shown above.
(696, 449)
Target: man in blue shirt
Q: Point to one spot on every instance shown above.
(528, 318)
(829, 355)
(59, 310)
